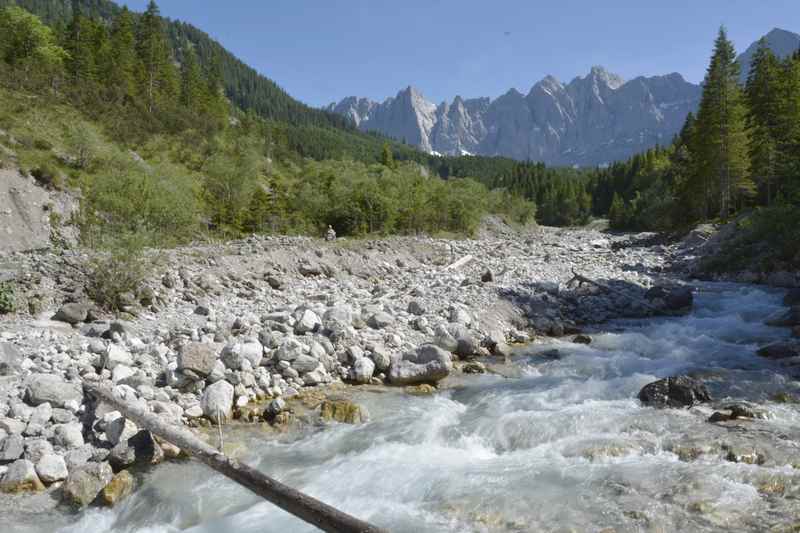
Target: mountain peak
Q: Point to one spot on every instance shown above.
(598, 72)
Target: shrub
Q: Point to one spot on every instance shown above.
(48, 176)
(7, 301)
(118, 272)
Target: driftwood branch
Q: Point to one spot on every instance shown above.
(302, 506)
(602, 286)
(461, 262)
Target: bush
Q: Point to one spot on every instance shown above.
(118, 273)
(7, 301)
(48, 176)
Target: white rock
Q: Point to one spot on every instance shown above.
(217, 400)
(51, 468)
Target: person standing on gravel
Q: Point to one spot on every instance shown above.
(330, 235)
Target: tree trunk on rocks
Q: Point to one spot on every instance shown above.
(295, 502)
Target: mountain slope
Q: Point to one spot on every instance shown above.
(592, 120)
(245, 87)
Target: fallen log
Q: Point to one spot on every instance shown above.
(461, 262)
(302, 506)
(583, 279)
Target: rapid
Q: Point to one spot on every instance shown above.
(565, 446)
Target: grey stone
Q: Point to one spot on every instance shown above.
(308, 322)
(362, 370)
(429, 364)
(72, 313)
(676, 391)
(41, 388)
(116, 355)
(85, 483)
(69, 435)
(51, 468)
(380, 320)
(304, 364)
(217, 400)
(11, 448)
(198, 357)
(21, 477)
(120, 430)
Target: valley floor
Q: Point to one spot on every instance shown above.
(226, 329)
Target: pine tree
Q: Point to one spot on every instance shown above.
(80, 44)
(616, 214)
(192, 84)
(763, 99)
(122, 71)
(387, 158)
(720, 142)
(157, 73)
(788, 127)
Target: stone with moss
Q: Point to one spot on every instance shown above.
(120, 486)
(344, 411)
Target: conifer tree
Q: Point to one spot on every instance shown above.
(720, 143)
(192, 84)
(80, 44)
(762, 92)
(122, 71)
(788, 128)
(157, 73)
(387, 158)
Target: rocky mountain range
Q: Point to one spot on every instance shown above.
(592, 120)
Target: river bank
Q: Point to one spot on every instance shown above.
(225, 330)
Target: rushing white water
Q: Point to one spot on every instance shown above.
(565, 448)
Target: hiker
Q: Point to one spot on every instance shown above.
(330, 235)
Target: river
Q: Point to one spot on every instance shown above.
(565, 447)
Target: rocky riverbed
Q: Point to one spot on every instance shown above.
(241, 331)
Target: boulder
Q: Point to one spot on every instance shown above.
(72, 313)
(85, 483)
(362, 370)
(253, 351)
(308, 322)
(51, 468)
(676, 391)
(41, 388)
(428, 364)
(21, 477)
(582, 339)
(380, 356)
(780, 350)
(380, 320)
(69, 435)
(305, 364)
(232, 356)
(198, 357)
(676, 299)
(12, 448)
(217, 400)
(290, 349)
(116, 355)
(120, 486)
(415, 307)
(119, 430)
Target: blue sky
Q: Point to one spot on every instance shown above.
(323, 50)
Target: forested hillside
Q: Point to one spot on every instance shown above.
(738, 158)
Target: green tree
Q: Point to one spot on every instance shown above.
(763, 100)
(616, 214)
(122, 70)
(192, 83)
(157, 73)
(720, 140)
(29, 47)
(387, 158)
